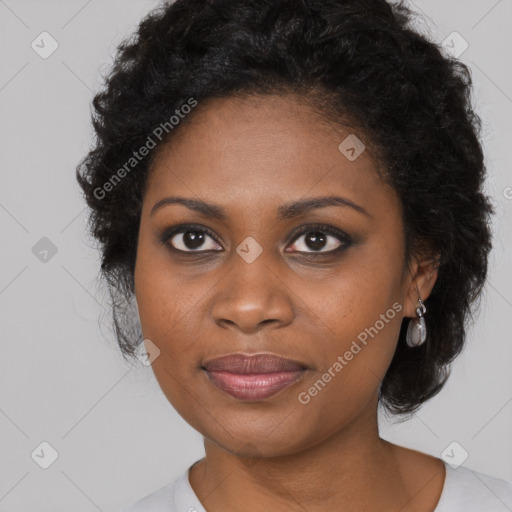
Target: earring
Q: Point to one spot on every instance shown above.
(417, 329)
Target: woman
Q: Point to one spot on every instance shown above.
(291, 191)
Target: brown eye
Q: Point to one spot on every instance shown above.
(321, 239)
(191, 240)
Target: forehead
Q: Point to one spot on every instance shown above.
(276, 148)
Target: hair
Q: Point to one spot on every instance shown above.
(358, 63)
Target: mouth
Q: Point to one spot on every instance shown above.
(252, 377)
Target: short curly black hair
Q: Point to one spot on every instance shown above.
(354, 60)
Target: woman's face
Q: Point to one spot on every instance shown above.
(331, 297)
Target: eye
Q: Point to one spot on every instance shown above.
(310, 239)
(320, 239)
(191, 239)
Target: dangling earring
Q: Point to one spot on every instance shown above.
(417, 329)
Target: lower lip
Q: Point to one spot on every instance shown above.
(253, 386)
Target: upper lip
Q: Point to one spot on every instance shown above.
(253, 363)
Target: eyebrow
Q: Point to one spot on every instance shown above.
(285, 211)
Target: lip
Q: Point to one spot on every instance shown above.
(262, 362)
(253, 377)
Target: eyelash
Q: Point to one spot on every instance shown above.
(309, 228)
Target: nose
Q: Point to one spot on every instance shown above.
(252, 295)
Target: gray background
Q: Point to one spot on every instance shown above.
(62, 379)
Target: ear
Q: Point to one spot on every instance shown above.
(423, 274)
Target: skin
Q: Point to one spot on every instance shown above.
(250, 156)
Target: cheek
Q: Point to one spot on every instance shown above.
(164, 297)
(166, 307)
(164, 304)
(363, 311)
(361, 291)
(354, 362)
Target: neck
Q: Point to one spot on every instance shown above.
(352, 469)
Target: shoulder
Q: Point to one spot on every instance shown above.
(177, 496)
(158, 501)
(471, 491)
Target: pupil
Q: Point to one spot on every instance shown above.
(315, 240)
(193, 239)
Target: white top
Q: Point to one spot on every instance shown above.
(464, 490)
